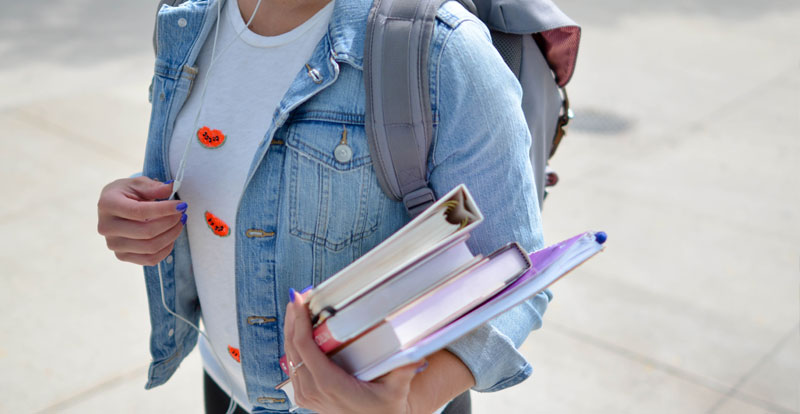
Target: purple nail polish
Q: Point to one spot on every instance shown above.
(291, 295)
(183, 218)
(181, 207)
(306, 289)
(168, 182)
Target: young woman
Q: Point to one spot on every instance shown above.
(266, 205)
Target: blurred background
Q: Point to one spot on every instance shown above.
(685, 150)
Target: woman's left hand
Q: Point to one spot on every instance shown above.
(324, 387)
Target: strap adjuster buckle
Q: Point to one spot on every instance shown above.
(418, 200)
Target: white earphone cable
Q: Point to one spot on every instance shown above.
(182, 166)
(179, 178)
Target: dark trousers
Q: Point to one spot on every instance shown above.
(217, 401)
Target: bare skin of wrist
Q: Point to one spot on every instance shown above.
(445, 378)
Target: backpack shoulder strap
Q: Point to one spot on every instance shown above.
(398, 121)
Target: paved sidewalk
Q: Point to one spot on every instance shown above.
(686, 151)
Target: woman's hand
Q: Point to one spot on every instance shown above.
(137, 228)
(324, 387)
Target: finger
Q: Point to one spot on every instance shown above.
(124, 199)
(148, 246)
(288, 331)
(322, 370)
(119, 205)
(110, 226)
(308, 391)
(300, 388)
(145, 259)
(149, 189)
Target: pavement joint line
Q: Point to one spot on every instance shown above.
(45, 204)
(46, 125)
(782, 342)
(93, 390)
(743, 98)
(677, 136)
(671, 300)
(674, 371)
(702, 216)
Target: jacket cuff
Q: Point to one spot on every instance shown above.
(490, 351)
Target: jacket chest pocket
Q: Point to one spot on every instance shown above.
(334, 196)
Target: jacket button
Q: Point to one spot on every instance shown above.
(169, 259)
(315, 75)
(259, 320)
(343, 153)
(270, 400)
(181, 22)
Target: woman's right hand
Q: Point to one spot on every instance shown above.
(137, 228)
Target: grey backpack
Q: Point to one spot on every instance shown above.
(538, 42)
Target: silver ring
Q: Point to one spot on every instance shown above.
(294, 368)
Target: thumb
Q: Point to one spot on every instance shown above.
(149, 189)
(401, 377)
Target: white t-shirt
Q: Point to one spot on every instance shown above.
(250, 76)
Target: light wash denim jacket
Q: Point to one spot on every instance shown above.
(303, 215)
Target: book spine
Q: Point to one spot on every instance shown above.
(324, 338)
(284, 362)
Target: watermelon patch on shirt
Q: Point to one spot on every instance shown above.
(234, 352)
(217, 225)
(210, 138)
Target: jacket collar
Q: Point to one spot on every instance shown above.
(347, 30)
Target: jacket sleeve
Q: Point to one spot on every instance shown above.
(482, 140)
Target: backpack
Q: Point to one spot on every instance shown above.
(401, 31)
(398, 115)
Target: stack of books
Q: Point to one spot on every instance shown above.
(422, 289)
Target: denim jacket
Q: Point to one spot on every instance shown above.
(303, 215)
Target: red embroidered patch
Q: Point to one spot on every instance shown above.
(217, 225)
(234, 353)
(210, 138)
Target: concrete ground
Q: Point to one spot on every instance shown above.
(685, 151)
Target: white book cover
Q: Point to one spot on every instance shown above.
(423, 236)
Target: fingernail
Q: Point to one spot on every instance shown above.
(183, 218)
(168, 182)
(181, 207)
(291, 295)
(306, 289)
(423, 367)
